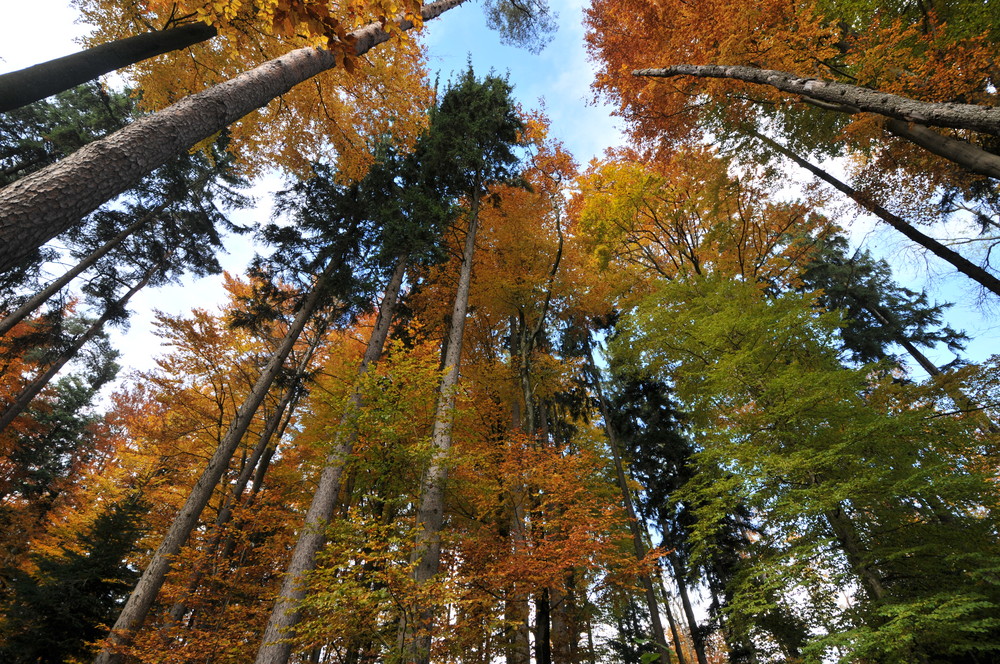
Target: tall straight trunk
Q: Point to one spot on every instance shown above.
(672, 624)
(137, 607)
(965, 154)
(638, 544)
(234, 496)
(430, 514)
(48, 78)
(41, 297)
(39, 206)
(966, 267)
(680, 578)
(31, 391)
(543, 647)
(274, 648)
(941, 114)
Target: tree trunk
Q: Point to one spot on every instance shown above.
(42, 80)
(672, 624)
(38, 207)
(847, 536)
(141, 600)
(285, 615)
(43, 295)
(966, 155)
(639, 546)
(430, 515)
(37, 385)
(233, 498)
(543, 647)
(941, 114)
(966, 267)
(697, 638)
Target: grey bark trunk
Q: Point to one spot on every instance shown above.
(37, 385)
(234, 497)
(274, 648)
(38, 207)
(847, 536)
(966, 155)
(43, 295)
(680, 577)
(134, 612)
(638, 544)
(430, 515)
(48, 78)
(941, 114)
(966, 267)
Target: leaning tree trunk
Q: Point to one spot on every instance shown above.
(235, 495)
(37, 385)
(940, 114)
(42, 205)
(48, 78)
(680, 578)
(430, 514)
(274, 647)
(963, 265)
(41, 297)
(638, 544)
(134, 612)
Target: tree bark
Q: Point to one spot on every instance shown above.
(543, 624)
(941, 114)
(639, 546)
(963, 265)
(40, 206)
(134, 612)
(847, 536)
(680, 578)
(40, 298)
(966, 155)
(285, 615)
(430, 514)
(37, 385)
(31, 84)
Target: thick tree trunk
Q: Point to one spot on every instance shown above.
(941, 114)
(40, 206)
(966, 267)
(42, 80)
(638, 543)
(37, 385)
(40, 298)
(285, 615)
(134, 612)
(543, 643)
(966, 155)
(430, 514)
(847, 536)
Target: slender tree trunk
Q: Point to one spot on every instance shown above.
(847, 536)
(134, 612)
(42, 80)
(639, 546)
(672, 624)
(285, 615)
(966, 267)
(40, 298)
(37, 385)
(697, 638)
(42, 205)
(941, 114)
(430, 514)
(234, 497)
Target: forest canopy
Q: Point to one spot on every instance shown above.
(481, 395)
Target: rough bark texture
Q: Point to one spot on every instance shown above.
(941, 114)
(285, 615)
(638, 543)
(966, 267)
(430, 515)
(38, 207)
(39, 81)
(42, 296)
(37, 385)
(134, 612)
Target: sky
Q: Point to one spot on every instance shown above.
(556, 80)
